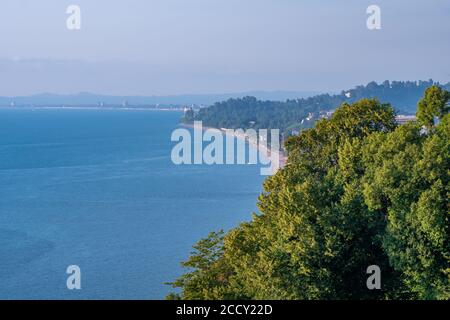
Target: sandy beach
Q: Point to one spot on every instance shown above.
(261, 148)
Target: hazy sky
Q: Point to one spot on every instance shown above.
(162, 47)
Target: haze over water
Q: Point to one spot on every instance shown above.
(97, 188)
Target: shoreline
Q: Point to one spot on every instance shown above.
(265, 151)
(89, 108)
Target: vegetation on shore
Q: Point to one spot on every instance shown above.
(301, 114)
(358, 190)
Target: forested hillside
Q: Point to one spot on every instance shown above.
(303, 113)
(358, 191)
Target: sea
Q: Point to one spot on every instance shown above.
(97, 189)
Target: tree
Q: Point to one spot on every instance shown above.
(433, 104)
(208, 279)
(358, 191)
(408, 182)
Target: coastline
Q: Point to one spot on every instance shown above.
(88, 108)
(264, 150)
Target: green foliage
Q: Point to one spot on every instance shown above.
(249, 112)
(434, 104)
(408, 182)
(357, 191)
(208, 280)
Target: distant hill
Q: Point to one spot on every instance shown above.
(402, 95)
(302, 113)
(90, 99)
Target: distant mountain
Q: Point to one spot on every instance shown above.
(85, 98)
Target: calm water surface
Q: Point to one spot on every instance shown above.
(97, 188)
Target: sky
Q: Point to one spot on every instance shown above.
(169, 47)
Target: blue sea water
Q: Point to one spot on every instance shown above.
(97, 189)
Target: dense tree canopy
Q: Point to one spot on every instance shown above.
(358, 191)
